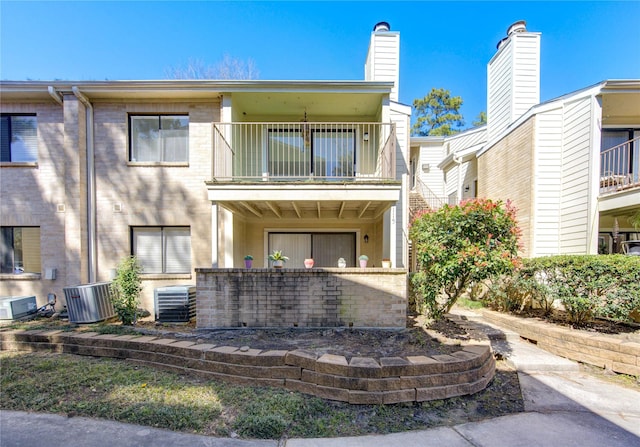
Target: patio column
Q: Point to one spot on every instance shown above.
(214, 235)
(393, 255)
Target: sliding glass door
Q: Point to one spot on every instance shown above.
(324, 248)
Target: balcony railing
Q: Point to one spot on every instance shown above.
(303, 151)
(620, 167)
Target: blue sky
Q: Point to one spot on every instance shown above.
(443, 44)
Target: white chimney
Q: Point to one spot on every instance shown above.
(383, 58)
(513, 78)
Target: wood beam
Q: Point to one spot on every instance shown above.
(296, 209)
(363, 209)
(276, 210)
(252, 208)
(342, 205)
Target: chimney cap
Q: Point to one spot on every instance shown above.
(517, 27)
(381, 26)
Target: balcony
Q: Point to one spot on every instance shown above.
(303, 152)
(620, 168)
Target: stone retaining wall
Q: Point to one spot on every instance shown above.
(331, 297)
(360, 380)
(619, 355)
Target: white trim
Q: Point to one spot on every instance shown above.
(214, 235)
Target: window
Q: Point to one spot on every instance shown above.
(304, 151)
(20, 249)
(159, 138)
(163, 249)
(19, 138)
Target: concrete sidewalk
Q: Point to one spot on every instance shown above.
(563, 407)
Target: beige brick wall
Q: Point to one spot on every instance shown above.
(30, 195)
(506, 171)
(301, 298)
(151, 195)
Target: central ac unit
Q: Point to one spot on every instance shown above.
(175, 304)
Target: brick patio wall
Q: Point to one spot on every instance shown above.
(348, 297)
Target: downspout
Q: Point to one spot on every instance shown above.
(91, 187)
(458, 160)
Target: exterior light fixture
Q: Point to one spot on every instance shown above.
(366, 238)
(365, 136)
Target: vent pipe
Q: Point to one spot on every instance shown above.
(517, 27)
(381, 26)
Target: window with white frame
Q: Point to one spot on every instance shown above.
(18, 138)
(20, 250)
(159, 138)
(162, 249)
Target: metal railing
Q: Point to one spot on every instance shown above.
(620, 167)
(303, 151)
(431, 198)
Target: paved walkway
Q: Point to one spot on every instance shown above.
(563, 407)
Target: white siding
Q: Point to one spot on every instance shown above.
(499, 90)
(547, 181)
(526, 74)
(383, 60)
(513, 78)
(576, 155)
(431, 154)
(467, 139)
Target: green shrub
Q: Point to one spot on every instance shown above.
(460, 246)
(513, 293)
(126, 288)
(588, 286)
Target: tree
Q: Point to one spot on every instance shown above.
(228, 68)
(481, 119)
(458, 246)
(438, 113)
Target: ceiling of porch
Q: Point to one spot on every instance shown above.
(323, 200)
(310, 210)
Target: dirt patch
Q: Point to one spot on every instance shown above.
(417, 339)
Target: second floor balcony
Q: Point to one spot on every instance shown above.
(620, 167)
(303, 151)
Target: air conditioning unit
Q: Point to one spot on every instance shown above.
(12, 307)
(175, 304)
(89, 303)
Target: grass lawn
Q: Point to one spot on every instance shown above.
(122, 391)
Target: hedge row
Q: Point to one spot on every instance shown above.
(587, 286)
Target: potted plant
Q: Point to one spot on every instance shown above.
(248, 261)
(386, 263)
(363, 261)
(342, 263)
(308, 263)
(278, 259)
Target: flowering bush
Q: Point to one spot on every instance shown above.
(457, 246)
